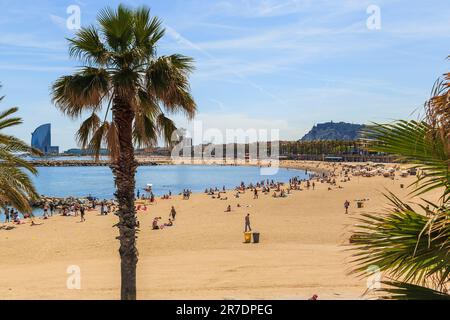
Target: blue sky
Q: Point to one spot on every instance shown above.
(285, 64)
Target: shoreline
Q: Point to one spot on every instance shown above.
(317, 168)
(70, 199)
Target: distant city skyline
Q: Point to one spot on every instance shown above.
(286, 64)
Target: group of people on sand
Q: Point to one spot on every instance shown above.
(156, 225)
(212, 191)
(150, 196)
(186, 194)
(12, 215)
(78, 209)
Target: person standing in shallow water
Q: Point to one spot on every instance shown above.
(247, 223)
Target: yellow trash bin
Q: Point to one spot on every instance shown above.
(247, 237)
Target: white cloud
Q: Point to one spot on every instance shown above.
(58, 21)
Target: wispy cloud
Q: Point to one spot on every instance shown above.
(35, 68)
(184, 41)
(58, 21)
(24, 40)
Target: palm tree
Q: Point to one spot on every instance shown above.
(16, 188)
(412, 243)
(127, 89)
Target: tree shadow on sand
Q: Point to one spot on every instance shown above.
(7, 228)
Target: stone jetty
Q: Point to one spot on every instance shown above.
(82, 163)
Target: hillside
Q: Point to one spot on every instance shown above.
(333, 131)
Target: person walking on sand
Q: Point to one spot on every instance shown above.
(247, 223)
(173, 213)
(346, 205)
(83, 219)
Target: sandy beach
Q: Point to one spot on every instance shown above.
(302, 251)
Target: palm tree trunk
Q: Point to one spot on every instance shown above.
(124, 170)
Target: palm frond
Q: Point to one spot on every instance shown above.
(112, 142)
(98, 138)
(411, 141)
(166, 127)
(147, 32)
(81, 92)
(406, 291)
(88, 47)
(403, 242)
(87, 130)
(117, 27)
(168, 81)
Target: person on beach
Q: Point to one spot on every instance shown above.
(255, 194)
(173, 213)
(7, 215)
(155, 224)
(16, 217)
(247, 223)
(346, 206)
(52, 209)
(169, 224)
(102, 208)
(82, 214)
(228, 209)
(45, 210)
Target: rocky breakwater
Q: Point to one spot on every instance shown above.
(66, 202)
(81, 163)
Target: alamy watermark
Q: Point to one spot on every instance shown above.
(74, 279)
(373, 22)
(73, 22)
(374, 278)
(235, 146)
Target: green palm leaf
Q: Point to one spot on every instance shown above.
(414, 142)
(403, 242)
(16, 188)
(406, 291)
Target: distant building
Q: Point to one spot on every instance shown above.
(41, 139)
